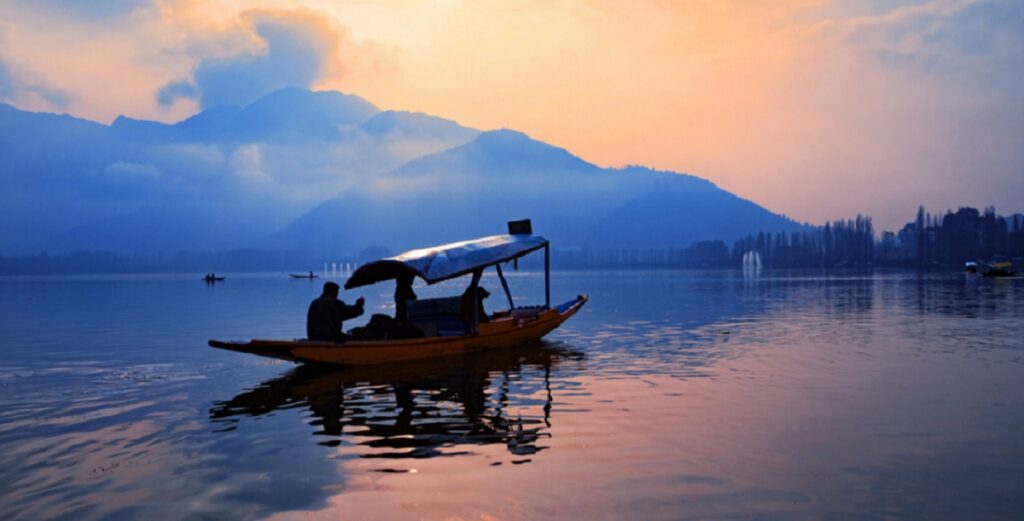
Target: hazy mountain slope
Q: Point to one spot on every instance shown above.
(416, 124)
(679, 210)
(472, 190)
(73, 183)
(497, 153)
(287, 114)
(294, 113)
(168, 228)
(333, 174)
(51, 172)
(466, 191)
(212, 124)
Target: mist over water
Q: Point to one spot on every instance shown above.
(671, 395)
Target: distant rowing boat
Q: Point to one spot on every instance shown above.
(996, 269)
(298, 276)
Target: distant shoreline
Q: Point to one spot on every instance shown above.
(284, 275)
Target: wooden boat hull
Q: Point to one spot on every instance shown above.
(996, 269)
(504, 332)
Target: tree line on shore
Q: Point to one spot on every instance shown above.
(931, 240)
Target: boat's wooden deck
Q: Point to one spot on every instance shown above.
(502, 332)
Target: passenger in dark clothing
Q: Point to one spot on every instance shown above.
(403, 294)
(467, 305)
(326, 313)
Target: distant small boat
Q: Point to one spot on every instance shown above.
(996, 269)
(299, 276)
(210, 278)
(971, 267)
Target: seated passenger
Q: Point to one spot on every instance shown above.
(468, 304)
(403, 294)
(326, 313)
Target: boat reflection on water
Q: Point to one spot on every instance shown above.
(418, 410)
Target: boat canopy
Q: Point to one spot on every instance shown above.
(447, 261)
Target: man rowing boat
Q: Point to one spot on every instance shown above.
(326, 314)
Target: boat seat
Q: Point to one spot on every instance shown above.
(438, 316)
(527, 311)
(430, 307)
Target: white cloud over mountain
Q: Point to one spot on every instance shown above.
(288, 49)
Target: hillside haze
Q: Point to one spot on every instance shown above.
(330, 173)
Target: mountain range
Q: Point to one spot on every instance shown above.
(326, 172)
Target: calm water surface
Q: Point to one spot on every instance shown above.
(672, 395)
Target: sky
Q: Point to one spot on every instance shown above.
(817, 109)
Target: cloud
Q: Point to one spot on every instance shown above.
(89, 10)
(6, 83)
(54, 97)
(294, 49)
(20, 90)
(176, 90)
(247, 163)
(126, 169)
(981, 41)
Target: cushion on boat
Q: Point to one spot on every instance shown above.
(438, 316)
(429, 308)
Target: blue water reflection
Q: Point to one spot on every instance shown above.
(417, 410)
(671, 395)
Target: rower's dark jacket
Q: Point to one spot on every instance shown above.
(324, 318)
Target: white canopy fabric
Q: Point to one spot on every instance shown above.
(447, 261)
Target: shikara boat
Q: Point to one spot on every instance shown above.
(996, 269)
(446, 330)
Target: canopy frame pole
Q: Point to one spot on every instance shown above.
(547, 276)
(475, 285)
(504, 284)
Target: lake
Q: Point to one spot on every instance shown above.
(671, 395)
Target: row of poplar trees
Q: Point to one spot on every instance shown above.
(931, 240)
(840, 243)
(957, 237)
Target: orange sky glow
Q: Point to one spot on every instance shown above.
(812, 108)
